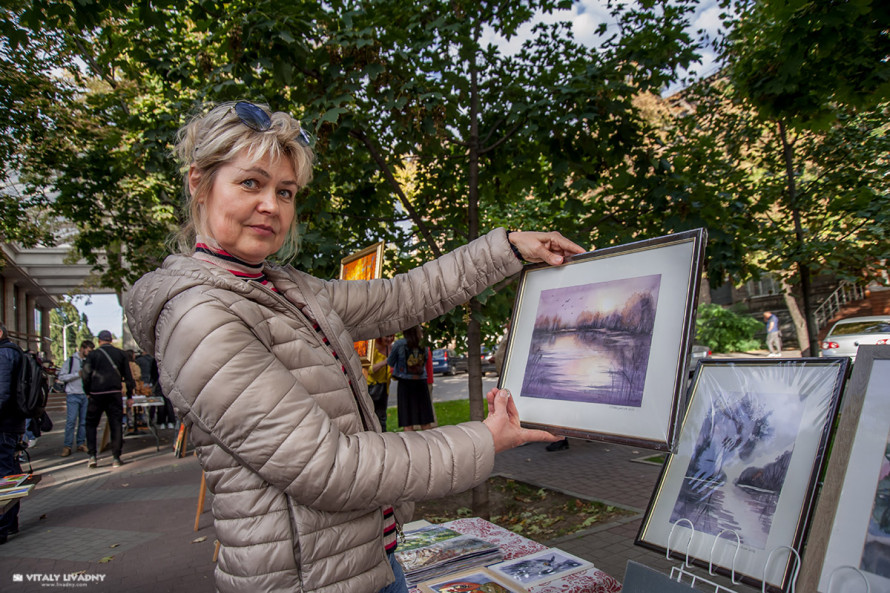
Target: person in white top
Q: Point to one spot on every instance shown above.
(70, 375)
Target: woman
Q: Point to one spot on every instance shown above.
(258, 359)
(379, 375)
(409, 365)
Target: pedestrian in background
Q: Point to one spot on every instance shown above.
(379, 376)
(773, 334)
(408, 360)
(12, 425)
(105, 370)
(71, 376)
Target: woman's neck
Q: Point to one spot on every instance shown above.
(207, 249)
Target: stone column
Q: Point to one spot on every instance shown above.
(30, 325)
(9, 304)
(45, 335)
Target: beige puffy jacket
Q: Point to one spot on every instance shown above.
(299, 470)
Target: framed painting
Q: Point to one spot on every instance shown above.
(366, 264)
(474, 580)
(738, 492)
(848, 549)
(599, 346)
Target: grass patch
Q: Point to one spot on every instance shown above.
(447, 413)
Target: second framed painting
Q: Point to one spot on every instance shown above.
(599, 346)
(366, 264)
(738, 492)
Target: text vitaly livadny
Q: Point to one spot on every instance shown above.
(58, 578)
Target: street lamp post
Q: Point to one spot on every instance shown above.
(65, 339)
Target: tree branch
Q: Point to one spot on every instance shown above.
(397, 188)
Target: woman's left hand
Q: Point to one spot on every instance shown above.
(551, 247)
(503, 422)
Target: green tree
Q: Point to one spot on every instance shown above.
(803, 66)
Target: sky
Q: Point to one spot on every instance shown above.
(586, 15)
(103, 312)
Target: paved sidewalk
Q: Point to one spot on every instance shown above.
(131, 529)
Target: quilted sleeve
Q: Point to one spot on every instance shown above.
(379, 307)
(226, 381)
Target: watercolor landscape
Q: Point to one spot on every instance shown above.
(738, 467)
(591, 343)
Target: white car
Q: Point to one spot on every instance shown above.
(847, 335)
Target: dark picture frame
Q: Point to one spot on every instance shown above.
(852, 533)
(748, 458)
(599, 347)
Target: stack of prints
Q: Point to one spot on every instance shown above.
(11, 486)
(436, 551)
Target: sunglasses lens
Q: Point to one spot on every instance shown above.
(252, 116)
(303, 138)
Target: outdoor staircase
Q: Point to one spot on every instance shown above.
(874, 301)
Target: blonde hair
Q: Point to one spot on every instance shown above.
(211, 140)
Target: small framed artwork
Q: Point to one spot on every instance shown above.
(848, 548)
(470, 581)
(599, 346)
(738, 492)
(366, 264)
(545, 565)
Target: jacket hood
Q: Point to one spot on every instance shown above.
(179, 273)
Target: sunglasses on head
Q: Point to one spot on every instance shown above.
(258, 120)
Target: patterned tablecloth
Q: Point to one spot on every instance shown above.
(514, 546)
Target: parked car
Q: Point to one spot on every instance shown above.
(488, 365)
(445, 361)
(698, 353)
(845, 336)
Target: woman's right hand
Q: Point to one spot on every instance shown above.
(503, 422)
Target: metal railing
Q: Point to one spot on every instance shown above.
(843, 294)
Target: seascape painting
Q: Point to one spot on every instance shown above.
(739, 463)
(591, 343)
(876, 549)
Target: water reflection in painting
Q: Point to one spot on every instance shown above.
(591, 342)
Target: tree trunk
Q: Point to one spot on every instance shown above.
(474, 329)
(800, 325)
(804, 270)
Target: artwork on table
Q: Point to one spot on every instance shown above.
(599, 346)
(546, 565)
(745, 470)
(475, 580)
(849, 546)
(366, 264)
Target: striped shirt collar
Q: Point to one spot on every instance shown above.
(208, 250)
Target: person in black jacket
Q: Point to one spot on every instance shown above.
(104, 371)
(12, 425)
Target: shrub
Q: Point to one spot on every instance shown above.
(723, 330)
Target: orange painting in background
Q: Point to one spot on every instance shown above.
(361, 269)
(363, 265)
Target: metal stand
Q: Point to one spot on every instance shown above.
(848, 567)
(679, 572)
